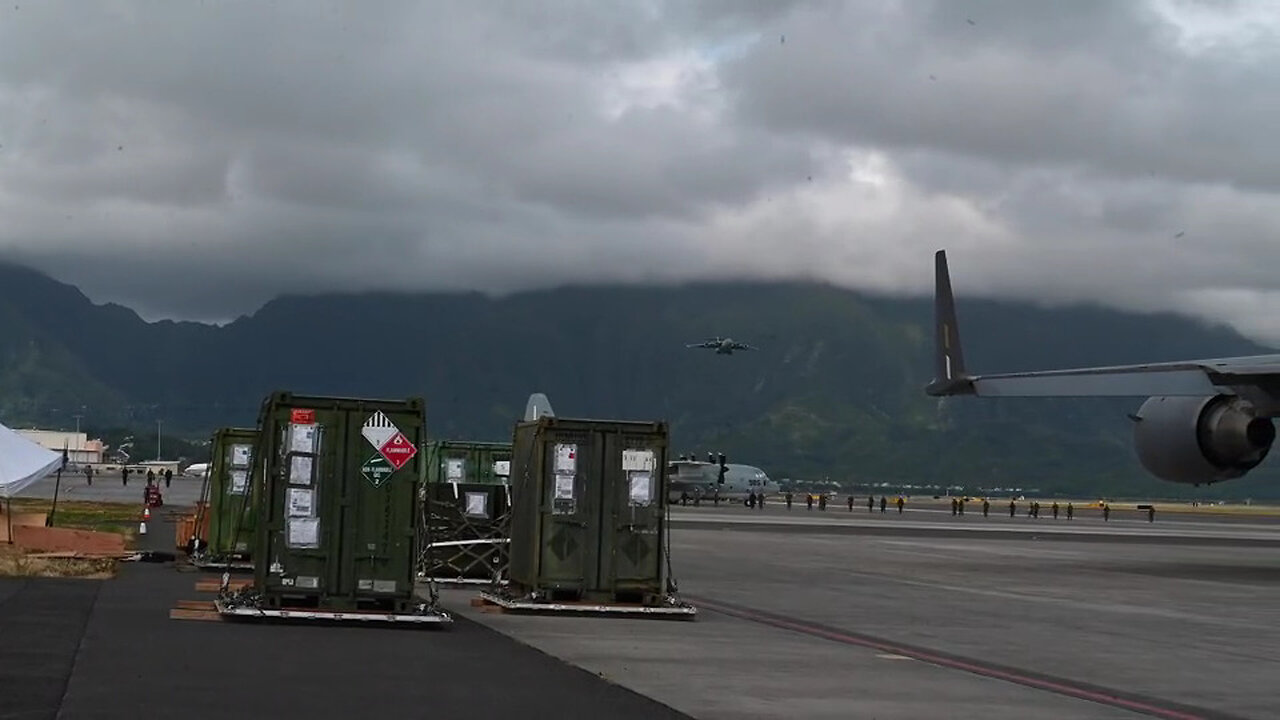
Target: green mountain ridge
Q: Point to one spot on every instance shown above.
(835, 391)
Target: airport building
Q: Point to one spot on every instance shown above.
(80, 449)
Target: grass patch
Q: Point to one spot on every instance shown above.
(109, 517)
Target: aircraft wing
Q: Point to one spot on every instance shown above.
(1256, 373)
(744, 346)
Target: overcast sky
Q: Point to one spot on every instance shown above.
(192, 160)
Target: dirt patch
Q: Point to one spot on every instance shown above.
(57, 539)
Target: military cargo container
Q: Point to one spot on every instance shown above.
(337, 532)
(468, 511)
(588, 525)
(231, 510)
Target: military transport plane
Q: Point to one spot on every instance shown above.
(722, 346)
(694, 477)
(1203, 421)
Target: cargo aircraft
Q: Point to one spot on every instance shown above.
(722, 346)
(694, 478)
(196, 469)
(1203, 421)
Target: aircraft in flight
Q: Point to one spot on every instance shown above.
(1203, 421)
(722, 346)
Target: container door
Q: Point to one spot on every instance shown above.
(631, 547)
(570, 507)
(377, 503)
(236, 520)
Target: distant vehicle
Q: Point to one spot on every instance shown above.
(196, 469)
(696, 478)
(722, 346)
(1203, 420)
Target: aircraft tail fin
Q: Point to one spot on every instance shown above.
(950, 377)
(538, 406)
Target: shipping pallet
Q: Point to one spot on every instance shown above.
(675, 609)
(195, 610)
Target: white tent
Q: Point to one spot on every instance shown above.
(22, 462)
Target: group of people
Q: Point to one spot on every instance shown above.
(125, 472)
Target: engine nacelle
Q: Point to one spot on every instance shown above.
(1201, 439)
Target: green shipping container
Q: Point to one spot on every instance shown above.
(469, 510)
(589, 518)
(231, 523)
(467, 461)
(338, 527)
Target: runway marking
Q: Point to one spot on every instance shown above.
(1060, 686)
(891, 656)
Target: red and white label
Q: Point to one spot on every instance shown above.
(398, 450)
(300, 416)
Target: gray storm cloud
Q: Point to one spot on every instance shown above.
(228, 152)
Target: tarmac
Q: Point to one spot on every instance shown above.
(812, 614)
(802, 614)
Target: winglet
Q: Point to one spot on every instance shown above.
(949, 376)
(538, 406)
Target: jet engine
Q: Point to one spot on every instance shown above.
(1201, 439)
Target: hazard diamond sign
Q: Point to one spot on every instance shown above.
(376, 470)
(398, 450)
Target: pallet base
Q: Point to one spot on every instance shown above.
(457, 581)
(436, 618)
(209, 564)
(675, 609)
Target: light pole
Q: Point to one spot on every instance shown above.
(157, 439)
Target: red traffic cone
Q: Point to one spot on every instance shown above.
(146, 513)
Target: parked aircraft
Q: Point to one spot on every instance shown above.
(196, 469)
(1203, 421)
(722, 346)
(696, 477)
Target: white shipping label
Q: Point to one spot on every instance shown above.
(302, 438)
(300, 502)
(453, 469)
(240, 455)
(239, 481)
(478, 504)
(637, 460)
(641, 488)
(566, 458)
(300, 468)
(502, 467)
(564, 487)
(304, 532)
